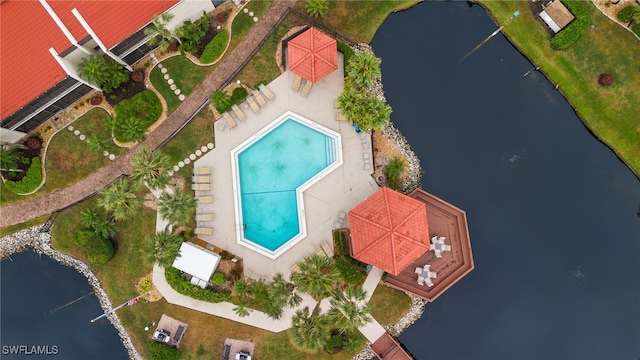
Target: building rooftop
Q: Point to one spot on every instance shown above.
(444, 220)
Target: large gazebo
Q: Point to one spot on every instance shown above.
(389, 230)
(312, 55)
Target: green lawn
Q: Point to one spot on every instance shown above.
(358, 20)
(187, 77)
(242, 22)
(389, 305)
(277, 346)
(68, 159)
(611, 113)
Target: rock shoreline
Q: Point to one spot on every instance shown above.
(32, 238)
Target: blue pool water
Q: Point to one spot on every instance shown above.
(270, 171)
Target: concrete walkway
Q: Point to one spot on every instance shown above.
(60, 199)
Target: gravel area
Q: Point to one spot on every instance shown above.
(41, 243)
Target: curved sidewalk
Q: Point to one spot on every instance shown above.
(60, 199)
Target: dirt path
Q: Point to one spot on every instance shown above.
(60, 199)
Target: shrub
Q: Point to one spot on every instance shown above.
(137, 76)
(215, 47)
(221, 101)
(393, 170)
(606, 79)
(26, 160)
(100, 251)
(238, 94)
(570, 34)
(334, 343)
(636, 29)
(96, 100)
(145, 286)
(218, 278)
(159, 351)
(184, 287)
(34, 143)
(626, 13)
(346, 51)
(190, 33)
(30, 181)
(83, 238)
(135, 115)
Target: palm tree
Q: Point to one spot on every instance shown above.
(100, 223)
(350, 102)
(241, 310)
(349, 310)
(97, 142)
(280, 293)
(176, 207)
(309, 331)
(364, 69)
(377, 114)
(159, 33)
(317, 8)
(242, 291)
(95, 69)
(317, 276)
(119, 199)
(150, 167)
(130, 129)
(163, 247)
(9, 158)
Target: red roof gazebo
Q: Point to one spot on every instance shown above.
(312, 55)
(389, 230)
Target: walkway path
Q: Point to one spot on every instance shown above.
(60, 199)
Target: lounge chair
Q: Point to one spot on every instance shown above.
(229, 119)
(253, 105)
(221, 126)
(327, 249)
(205, 199)
(295, 268)
(307, 88)
(266, 92)
(259, 97)
(366, 165)
(248, 274)
(203, 231)
(201, 179)
(296, 83)
(238, 112)
(340, 116)
(200, 187)
(205, 170)
(366, 155)
(320, 252)
(336, 104)
(205, 217)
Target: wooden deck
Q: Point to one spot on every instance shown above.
(388, 348)
(445, 220)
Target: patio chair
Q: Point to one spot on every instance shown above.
(420, 280)
(205, 217)
(201, 179)
(446, 247)
(229, 119)
(266, 92)
(204, 170)
(418, 270)
(238, 112)
(205, 199)
(366, 165)
(438, 254)
(254, 107)
(342, 215)
(296, 83)
(203, 231)
(428, 282)
(341, 117)
(431, 275)
(221, 126)
(366, 155)
(307, 88)
(336, 104)
(327, 249)
(201, 187)
(259, 98)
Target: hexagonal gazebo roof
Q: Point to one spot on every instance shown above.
(389, 230)
(312, 55)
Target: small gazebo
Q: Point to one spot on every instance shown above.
(312, 55)
(389, 230)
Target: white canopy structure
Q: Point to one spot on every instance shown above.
(198, 262)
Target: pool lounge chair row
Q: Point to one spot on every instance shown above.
(297, 82)
(203, 170)
(203, 231)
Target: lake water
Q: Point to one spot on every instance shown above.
(552, 212)
(31, 287)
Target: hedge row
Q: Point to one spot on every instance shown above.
(30, 181)
(184, 287)
(223, 102)
(570, 34)
(626, 13)
(349, 274)
(215, 47)
(99, 250)
(636, 29)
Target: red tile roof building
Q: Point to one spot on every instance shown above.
(389, 230)
(312, 55)
(27, 69)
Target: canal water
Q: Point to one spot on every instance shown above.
(552, 212)
(32, 288)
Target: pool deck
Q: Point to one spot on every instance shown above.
(340, 190)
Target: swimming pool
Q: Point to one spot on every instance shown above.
(271, 171)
